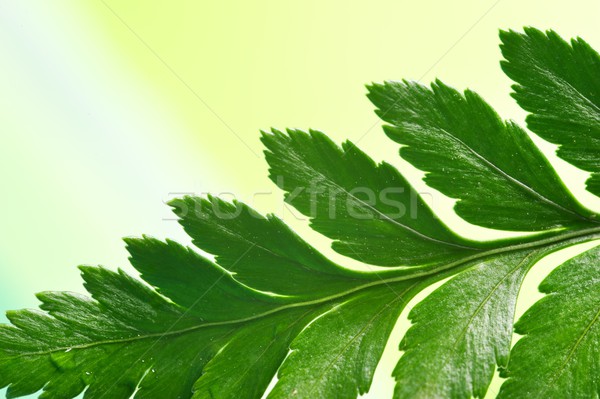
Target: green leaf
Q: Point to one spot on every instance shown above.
(255, 248)
(370, 210)
(559, 355)
(107, 344)
(499, 177)
(462, 331)
(194, 282)
(270, 305)
(362, 325)
(263, 347)
(559, 83)
(183, 337)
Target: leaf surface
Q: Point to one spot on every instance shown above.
(108, 345)
(255, 248)
(559, 355)
(370, 210)
(362, 325)
(499, 177)
(462, 331)
(559, 84)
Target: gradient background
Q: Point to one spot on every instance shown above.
(109, 108)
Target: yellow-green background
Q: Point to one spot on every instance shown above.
(107, 109)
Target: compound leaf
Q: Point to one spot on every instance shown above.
(181, 339)
(270, 305)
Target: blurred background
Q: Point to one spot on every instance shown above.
(110, 108)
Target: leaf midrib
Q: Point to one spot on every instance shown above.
(267, 347)
(254, 244)
(385, 217)
(516, 182)
(347, 345)
(575, 90)
(576, 236)
(487, 298)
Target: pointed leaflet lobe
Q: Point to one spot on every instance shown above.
(370, 210)
(260, 250)
(463, 330)
(246, 364)
(499, 176)
(559, 355)
(195, 283)
(559, 83)
(351, 337)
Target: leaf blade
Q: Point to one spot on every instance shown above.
(336, 186)
(562, 330)
(455, 137)
(462, 331)
(343, 366)
(255, 248)
(559, 84)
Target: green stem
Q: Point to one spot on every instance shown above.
(437, 273)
